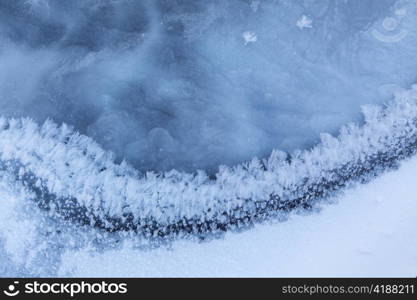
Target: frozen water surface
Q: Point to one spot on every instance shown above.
(194, 84)
(189, 84)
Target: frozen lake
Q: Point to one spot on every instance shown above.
(110, 109)
(190, 85)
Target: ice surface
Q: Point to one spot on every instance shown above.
(194, 84)
(74, 178)
(189, 84)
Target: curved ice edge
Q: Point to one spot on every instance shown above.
(76, 179)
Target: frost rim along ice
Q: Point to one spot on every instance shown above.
(74, 178)
(78, 180)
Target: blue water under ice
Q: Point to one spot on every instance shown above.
(191, 84)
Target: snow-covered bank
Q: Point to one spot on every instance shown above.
(369, 231)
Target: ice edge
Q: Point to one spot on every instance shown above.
(75, 177)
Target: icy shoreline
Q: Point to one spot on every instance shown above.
(73, 177)
(367, 231)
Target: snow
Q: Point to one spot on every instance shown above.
(249, 37)
(304, 22)
(93, 121)
(367, 231)
(82, 182)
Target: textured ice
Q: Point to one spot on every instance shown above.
(76, 179)
(201, 84)
(195, 84)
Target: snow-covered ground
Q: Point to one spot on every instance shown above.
(370, 230)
